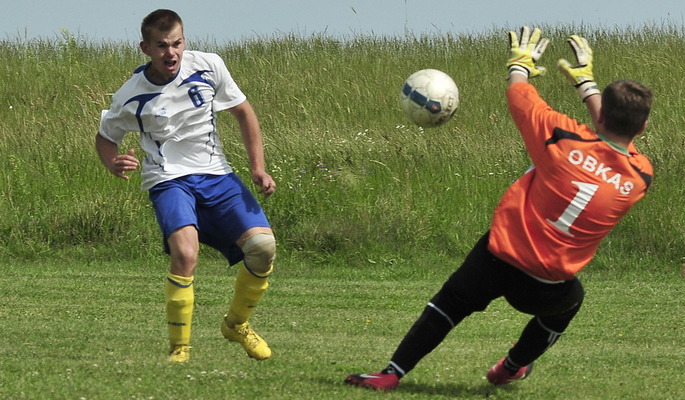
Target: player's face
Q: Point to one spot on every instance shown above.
(165, 50)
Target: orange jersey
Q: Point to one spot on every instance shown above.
(551, 220)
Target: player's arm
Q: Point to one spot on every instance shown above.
(581, 75)
(117, 164)
(514, 78)
(254, 145)
(524, 54)
(594, 106)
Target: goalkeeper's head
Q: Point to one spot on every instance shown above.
(625, 107)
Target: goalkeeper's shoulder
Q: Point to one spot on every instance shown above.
(640, 161)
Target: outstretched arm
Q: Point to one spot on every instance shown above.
(581, 75)
(594, 106)
(514, 78)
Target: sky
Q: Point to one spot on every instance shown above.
(231, 21)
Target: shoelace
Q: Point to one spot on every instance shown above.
(180, 350)
(249, 335)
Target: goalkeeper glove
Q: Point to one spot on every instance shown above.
(580, 75)
(523, 55)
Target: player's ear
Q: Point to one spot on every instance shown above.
(144, 47)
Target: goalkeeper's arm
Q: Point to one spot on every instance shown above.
(593, 104)
(580, 74)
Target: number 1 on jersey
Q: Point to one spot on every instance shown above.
(578, 204)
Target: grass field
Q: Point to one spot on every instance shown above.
(371, 215)
(96, 331)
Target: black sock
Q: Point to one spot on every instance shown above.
(511, 367)
(426, 334)
(391, 370)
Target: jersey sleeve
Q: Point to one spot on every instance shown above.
(535, 119)
(228, 94)
(112, 124)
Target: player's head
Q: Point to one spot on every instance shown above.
(159, 20)
(625, 107)
(164, 43)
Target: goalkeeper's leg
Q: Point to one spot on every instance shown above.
(541, 333)
(469, 289)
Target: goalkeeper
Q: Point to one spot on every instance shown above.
(549, 222)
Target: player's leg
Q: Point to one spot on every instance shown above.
(554, 305)
(427, 332)
(179, 293)
(252, 280)
(543, 330)
(174, 208)
(232, 221)
(471, 288)
(179, 298)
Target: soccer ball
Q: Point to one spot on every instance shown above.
(429, 97)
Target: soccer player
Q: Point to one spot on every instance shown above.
(173, 101)
(549, 222)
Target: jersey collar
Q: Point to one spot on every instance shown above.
(613, 145)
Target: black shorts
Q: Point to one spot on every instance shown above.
(483, 277)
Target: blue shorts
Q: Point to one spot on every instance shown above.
(221, 207)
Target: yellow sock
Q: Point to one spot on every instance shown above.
(249, 289)
(180, 299)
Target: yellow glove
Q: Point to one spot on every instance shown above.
(524, 55)
(580, 75)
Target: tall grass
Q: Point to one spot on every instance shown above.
(356, 180)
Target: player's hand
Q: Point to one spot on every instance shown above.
(524, 54)
(265, 182)
(124, 163)
(580, 74)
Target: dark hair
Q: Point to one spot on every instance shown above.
(162, 20)
(626, 105)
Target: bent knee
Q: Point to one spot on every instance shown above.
(259, 252)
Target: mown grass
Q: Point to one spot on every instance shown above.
(96, 331)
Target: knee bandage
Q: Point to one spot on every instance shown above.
(259, 252)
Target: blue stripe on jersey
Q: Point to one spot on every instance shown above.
(140, 69)
(142, 99)
(196, 77)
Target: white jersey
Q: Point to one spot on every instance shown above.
(176, 120)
